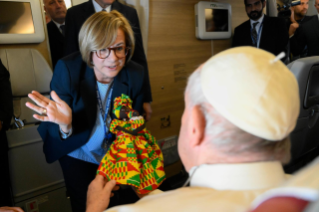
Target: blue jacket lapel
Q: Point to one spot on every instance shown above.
(88, 93)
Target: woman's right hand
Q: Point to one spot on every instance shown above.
(55, 111)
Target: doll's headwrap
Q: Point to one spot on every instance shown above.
(121, 101)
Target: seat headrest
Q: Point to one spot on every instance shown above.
(28, 71)
(306, 73)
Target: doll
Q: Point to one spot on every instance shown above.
(134, 158)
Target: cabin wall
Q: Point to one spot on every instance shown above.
(42, 47)
(174, 53)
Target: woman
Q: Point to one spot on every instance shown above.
(75, 123)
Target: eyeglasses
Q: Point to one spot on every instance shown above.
(120, 52)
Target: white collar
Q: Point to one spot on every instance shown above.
(242, 176)
(57, 24)
(98, 7)
(260, 20)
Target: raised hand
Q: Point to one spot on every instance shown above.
(11, 209)
(55, 111)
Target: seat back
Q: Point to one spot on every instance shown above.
(305, 137)
(28, 71)
(34, 181)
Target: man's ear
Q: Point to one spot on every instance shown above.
(197, 126)
(45, 9)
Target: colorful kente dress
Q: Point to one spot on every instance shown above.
(134, 158)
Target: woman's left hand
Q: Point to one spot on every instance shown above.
(55, 111)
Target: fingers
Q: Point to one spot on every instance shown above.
(10, 209)
(34, 107)
(116, 188)
(100, 179)
(109, 186)
(41, 118)
(56, 98)
(39, 99)
(38, 110)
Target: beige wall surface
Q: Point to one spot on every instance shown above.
(42, 47)
(173, 54)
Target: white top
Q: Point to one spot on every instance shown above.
(260, 20)
(58, 25)
(98, 7)
(223, 187)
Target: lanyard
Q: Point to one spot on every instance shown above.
(105, 113)
(258, 34)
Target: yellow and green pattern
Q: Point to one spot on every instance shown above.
(134, 160)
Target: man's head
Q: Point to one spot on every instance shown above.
(301, 10)
(56, 9)
(239, 107)
(317, 5)
(254, 8)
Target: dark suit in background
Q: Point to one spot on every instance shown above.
(293, 43)
(56, 41)
(274, 35)
(78, 14)
(6, 112)
(307, 35)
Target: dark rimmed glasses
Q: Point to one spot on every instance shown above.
(120, 52)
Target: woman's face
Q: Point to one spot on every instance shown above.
(106, 69)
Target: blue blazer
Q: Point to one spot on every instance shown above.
(75, 83)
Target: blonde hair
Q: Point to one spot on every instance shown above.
(99, 31)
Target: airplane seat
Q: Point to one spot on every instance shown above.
(305, 136)
(35, 183)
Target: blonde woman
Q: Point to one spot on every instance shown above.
(84, 85)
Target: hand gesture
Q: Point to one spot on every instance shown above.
(99, 194)
(292, 28)
(10, 209)
(55, 111)
(292, 16)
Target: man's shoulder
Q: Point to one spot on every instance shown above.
(309, 21)
(123, 8)
(52, 27)
(274, 20)
(80, 7)
(71, 62)
(133, 66)
(243, 25)
(193, 199)
(75, 57)
(132, 70)
(307, 18)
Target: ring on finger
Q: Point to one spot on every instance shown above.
(44, 112)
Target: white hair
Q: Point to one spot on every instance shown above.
(225, 135)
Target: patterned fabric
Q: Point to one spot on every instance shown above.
(133, 160)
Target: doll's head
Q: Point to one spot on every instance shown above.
(123, 108)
